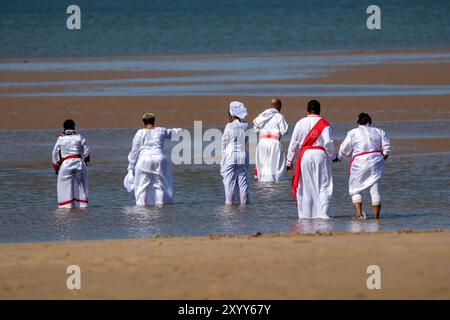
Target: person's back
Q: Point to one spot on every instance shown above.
(70, 155)
(304, 127)
(312, 184)
(233, 143)
(366, 138)
(369, 147)
(149, 170)
(234, 164)
(270, 159)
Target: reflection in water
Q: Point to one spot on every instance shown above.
(364, 226)
(230, 217)
(143, 220)
(312, 226)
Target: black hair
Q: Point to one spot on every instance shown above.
(69, 124)
(313, 107)
(364, 118)
(150, 120)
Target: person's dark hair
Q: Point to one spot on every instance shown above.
(364, 119)
(313, 107)
(69, 124)
(148, 118)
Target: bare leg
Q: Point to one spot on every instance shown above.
(358, 209)
(376, 211)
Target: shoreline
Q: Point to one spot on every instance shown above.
(414, 265)
(438, 50)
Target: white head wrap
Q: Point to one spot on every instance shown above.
(238, 109)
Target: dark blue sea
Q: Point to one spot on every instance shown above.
(120, 28)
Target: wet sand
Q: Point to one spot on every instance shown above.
(182, 111)
(414, 265)
(125, 112)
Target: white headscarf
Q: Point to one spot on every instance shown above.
(238, 109)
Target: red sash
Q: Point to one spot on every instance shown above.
(361, 154)
(310, 139)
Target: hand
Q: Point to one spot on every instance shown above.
(385, 156)
(336, 159)
(289, 168)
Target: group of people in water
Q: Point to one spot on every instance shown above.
(150, 177)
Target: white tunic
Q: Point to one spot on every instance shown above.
(316, 184)
(270, 158)
(72, 175)
(366, 169)
(234, 164)
(150, 170)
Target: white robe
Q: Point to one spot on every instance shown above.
(150, 173)
(365, 169)
(316, 184)
(270, 158)
(72, 185)
(234, 164)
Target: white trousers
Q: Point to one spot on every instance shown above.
(374, 194)
(72, 184)
(235, 183)
(316, 186)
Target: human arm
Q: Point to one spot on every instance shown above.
(293, 145)
(385, 144)
(346, 147)
(134, 153)
(55, 156)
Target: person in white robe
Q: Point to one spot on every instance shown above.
(270, 160)
(70, 157)
(369, 147)
(234, 164)
(149, 170)
(312, 185)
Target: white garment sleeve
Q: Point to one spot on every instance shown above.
(346, 147)
(134, 153)
(294, 144)
(169, 132)
(85, 150)
(283, 126)
(385, 143)
(328, 142)
(55, 152)
(225, 142)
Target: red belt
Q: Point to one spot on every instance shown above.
(313, 147)
(58, 164)
(72, 156)
(362, 154)
(269, 136)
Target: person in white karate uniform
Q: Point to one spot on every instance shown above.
(370, 147)
(70, 157)
(234, 164)
(312, 184)
(149, 170)
(270, 158)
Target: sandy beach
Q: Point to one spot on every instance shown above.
(414, 265)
